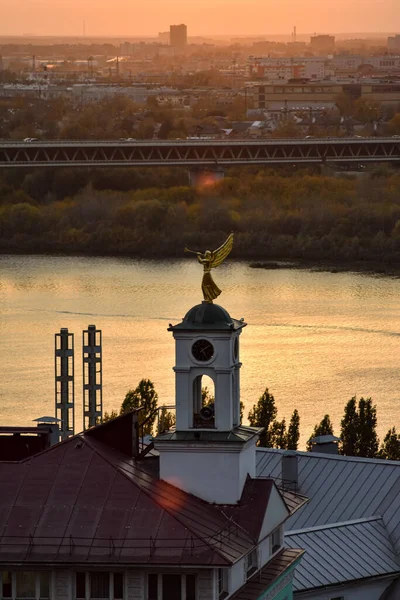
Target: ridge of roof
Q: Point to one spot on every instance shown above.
(379, 461)
(174, 515)
(331, 526)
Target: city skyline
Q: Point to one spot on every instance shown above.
(203, 17)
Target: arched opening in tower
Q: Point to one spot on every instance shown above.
(203, 402)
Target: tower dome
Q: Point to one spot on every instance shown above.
(207, 316)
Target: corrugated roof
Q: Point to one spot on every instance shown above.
(337, 554)
(340, 488)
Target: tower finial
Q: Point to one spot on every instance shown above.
(210, 260)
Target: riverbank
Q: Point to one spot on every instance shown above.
(370, 268)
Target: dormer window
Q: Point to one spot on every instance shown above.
(251, 563)
(276, 539)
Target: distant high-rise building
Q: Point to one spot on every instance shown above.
(394, 43)
(164, 37)
(322, 44)
(178, 36)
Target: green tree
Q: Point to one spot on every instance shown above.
(241, 411)
(143, 396)
(368, 442)
(349, 432)
(345, 104)
(110, 416)
(167, 420)
(278, 434)
(390, 448)
(263, 415)
(324, 428)
(206, 397)
(293, 433)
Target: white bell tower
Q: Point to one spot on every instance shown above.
(210, 454)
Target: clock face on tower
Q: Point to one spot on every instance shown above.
(203, 350)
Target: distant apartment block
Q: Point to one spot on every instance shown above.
(350, 64)
(324, 92)
(322, 44)
(178, 36)
(164, 37)
(393, 43)
(268, 68)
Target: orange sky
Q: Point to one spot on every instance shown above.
(131, 17)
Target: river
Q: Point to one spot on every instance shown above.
(314, 339)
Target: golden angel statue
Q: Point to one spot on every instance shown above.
(211, 260)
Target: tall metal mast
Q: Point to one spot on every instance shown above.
(64, 382)
(92, 377)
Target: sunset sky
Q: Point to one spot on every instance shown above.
(131, 17)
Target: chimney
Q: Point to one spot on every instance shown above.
(290, 476)
(325, 444)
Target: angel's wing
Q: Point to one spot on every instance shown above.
(222, 252)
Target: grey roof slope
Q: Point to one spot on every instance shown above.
(340, 488)
(341, 553)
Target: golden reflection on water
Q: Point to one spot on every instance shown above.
(315, 339)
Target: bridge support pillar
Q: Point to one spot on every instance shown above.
(204, 177)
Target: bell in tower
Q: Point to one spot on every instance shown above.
(210, 454)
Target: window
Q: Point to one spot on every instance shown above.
(190, 587)
(171, 586)
(80, 591)
(6, 584)
(152, 585)
(26, 584)
(22, 585)
(222, 583)
(251, 563)
(276, 540)
(99, 585)
(118, 586)
(44, 581)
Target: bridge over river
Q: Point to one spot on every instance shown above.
(207, 154)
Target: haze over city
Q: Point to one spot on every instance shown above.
(250, 17)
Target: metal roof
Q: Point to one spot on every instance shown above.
(238, 435)
(256, 586)
(81, 501)
(206, 316)
(340, 488)
(86, 501)
(341, 553)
